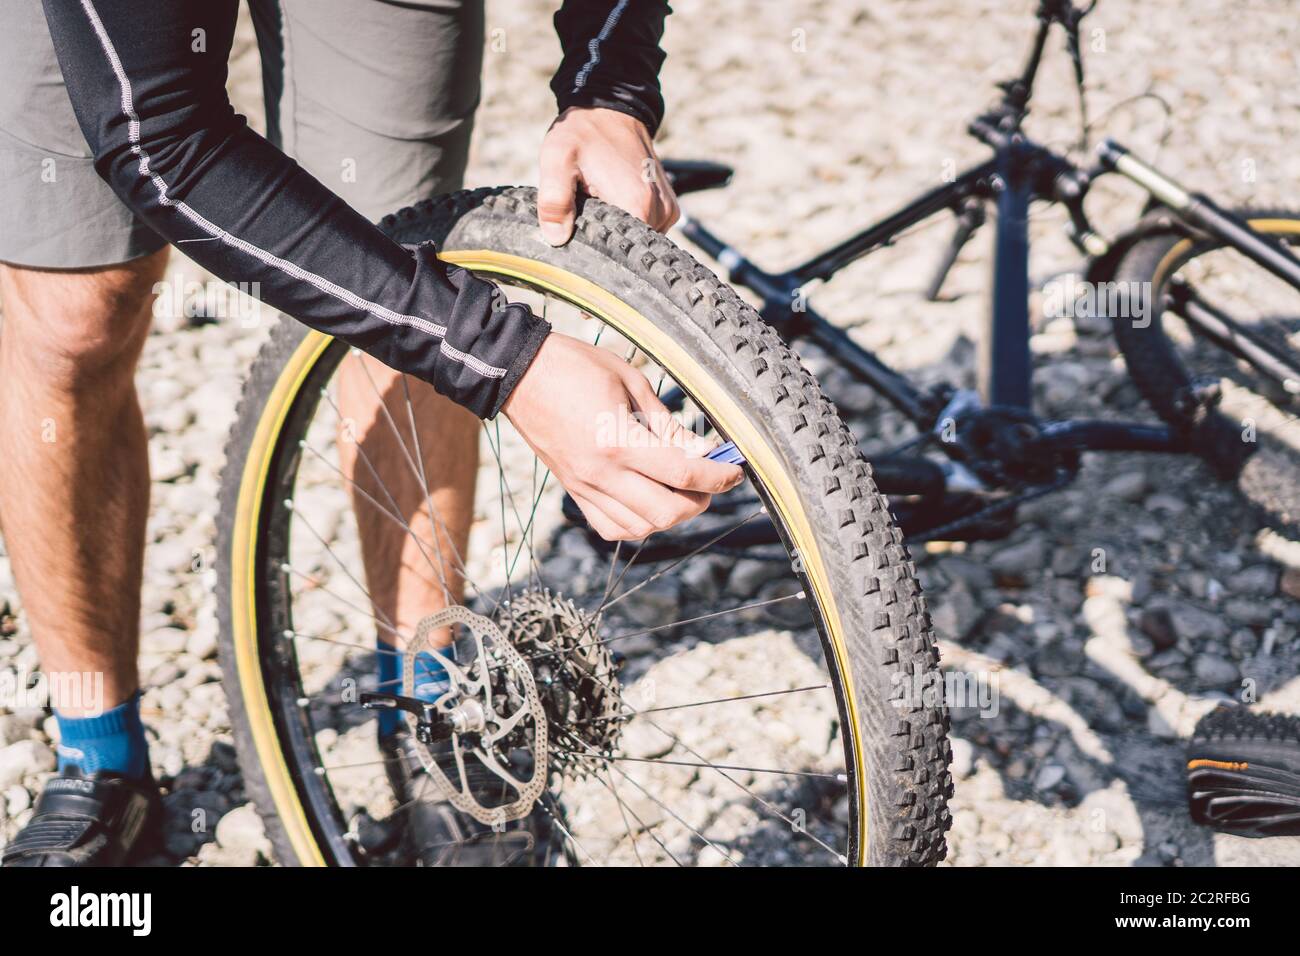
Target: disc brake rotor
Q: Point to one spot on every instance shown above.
(575, 675)
(498, 739)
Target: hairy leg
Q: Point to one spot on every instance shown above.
(424, 475)
(74, 477)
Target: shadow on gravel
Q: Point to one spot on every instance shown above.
(195, 801)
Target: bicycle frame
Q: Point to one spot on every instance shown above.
(1019, 173)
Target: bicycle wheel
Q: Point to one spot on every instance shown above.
(1248, 430)
(756, 711)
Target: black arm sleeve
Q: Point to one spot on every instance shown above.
(147, 80)
(612, 56)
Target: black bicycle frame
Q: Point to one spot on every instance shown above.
(1019, 173)
(998, 454)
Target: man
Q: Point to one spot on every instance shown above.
(388, 86)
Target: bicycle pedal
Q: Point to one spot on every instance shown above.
(728, 454)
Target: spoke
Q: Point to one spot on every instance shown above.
(322, 769)
(768, 805)
(418, 472)
(623, 811)
(505, 491)
(704, 617)
(839, 777)
(659, 627)
(532, 516)
(609, 578)
(343, 567)
(662, 571)
(502, 491)
(663, 806)
(647, 828)
(289, 569)
(622, 574)
(706, 703)
(392, 516)
(424, 480)
(327, 640)
(401, 443)
(401, 522)
(565, 830)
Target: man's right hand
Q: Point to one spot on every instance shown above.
(595, 421)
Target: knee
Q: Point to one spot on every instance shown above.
(81, 326)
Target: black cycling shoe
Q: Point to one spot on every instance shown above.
(1243, 772)
(437, 834)
(99, 820)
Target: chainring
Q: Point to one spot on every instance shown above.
(576, 678)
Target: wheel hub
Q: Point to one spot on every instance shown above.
(576, 677)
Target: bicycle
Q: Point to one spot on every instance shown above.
(1193, 361)
(810, 732)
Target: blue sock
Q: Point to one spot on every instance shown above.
(112, 741)
(431, 682)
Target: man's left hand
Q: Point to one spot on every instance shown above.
(608, 155)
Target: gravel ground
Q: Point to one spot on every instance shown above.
(838, 112)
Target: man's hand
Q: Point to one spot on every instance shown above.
(610, 156)
(596, 423)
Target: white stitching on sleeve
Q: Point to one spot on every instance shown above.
(593, 45)
(297, 272)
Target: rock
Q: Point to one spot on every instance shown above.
(1157, 726)
(202, 642)
(963, 758)
(1259, 579)
(1290, 583)
(1129, 486)
(24, 758)
(955, 612)
(1248, 611)
(1110, 586)
(1070, 561)
(704, 577)
(1025, 558)
(165, 673)
(1093, 702)
(13, 729)
(975, 575)
(748, 575)
(165, 463)
(1165, 502)
(1195, 624)
(17, 799)
(1243, 643)
(212, 854)
(1214, 671)
(165, 640)
(1061, 657)
(241, 829)
(1157, 624)
(181, 843)
(1049, 776)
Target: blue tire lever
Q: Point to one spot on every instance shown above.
(728, 454)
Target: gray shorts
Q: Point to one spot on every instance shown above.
(374, 98)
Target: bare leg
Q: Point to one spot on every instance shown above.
(74, 476)
(408, 580)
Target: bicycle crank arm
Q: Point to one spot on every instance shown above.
(1089, 435)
